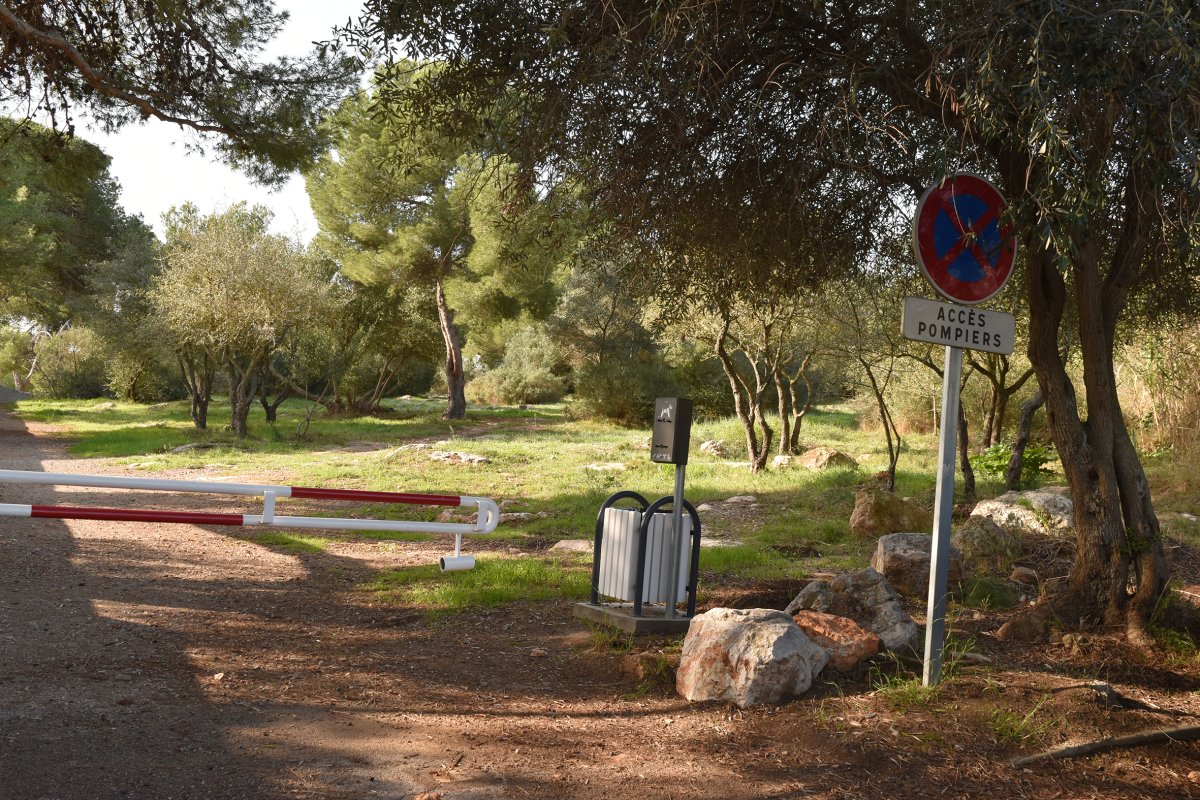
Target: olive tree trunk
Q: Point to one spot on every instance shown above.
(1119, 570)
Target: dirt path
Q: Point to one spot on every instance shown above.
(154, 662)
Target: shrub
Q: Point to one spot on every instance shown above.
(142, 378)
(700, 377)
(530, 373)
(621, 391)
(993, 461)
(70, 364)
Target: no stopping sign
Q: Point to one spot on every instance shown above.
(962, 245)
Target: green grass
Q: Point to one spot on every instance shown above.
(293, 541)
(989, 592)
(495, 581)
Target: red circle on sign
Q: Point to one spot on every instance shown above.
(963, 245)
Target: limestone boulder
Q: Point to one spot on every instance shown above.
(747, 657)
(848, 643)
(985, 547)
(713, 447)
(904, 559)
(878, 513)
(1041, 511)
(867, 598)
(826, 458)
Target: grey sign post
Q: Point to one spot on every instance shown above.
(972, 329)
(669, 445)
(935, 627)
(967, 253)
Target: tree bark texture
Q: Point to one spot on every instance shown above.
(456, 382)
(198, 373)
(889, 424)
(964, 454)
(244, 379)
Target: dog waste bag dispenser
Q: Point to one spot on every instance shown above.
(672, 430)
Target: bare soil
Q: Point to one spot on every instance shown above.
(175, 661)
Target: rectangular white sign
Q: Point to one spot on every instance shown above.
(958, 326)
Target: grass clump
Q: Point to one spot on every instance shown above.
(493, 582)
(1014, 727)
(989, 593)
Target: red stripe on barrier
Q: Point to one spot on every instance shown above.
(377, 497)
(135, 515)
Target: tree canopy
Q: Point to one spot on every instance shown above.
(60, 224)
(195, 63)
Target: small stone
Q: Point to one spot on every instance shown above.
(539, 652)
(454, 457)
(572, 546)
(218, 676)
(741, 499)
(612, 467)
(1024, 575)
(974, 658)
(705, 507)
(826, 458)
(1194, 776)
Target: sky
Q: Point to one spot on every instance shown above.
(156, 172)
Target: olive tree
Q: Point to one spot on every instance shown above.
(229, 294)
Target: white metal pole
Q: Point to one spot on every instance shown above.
(935, 626)
(676, 540)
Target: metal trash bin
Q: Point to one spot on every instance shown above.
(619, 556)
(632, 553)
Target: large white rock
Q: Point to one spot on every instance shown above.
(747, 657)
(1046, 511)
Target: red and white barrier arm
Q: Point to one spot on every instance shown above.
(487, 516)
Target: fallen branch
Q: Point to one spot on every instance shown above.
(1185, 734)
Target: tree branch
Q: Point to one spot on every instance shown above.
(1186, 733)
(54, 40)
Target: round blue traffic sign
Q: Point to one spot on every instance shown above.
(963, 245)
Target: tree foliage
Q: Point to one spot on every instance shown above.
(414, 205)
(230, 294)
(195, 63)
(60, 224)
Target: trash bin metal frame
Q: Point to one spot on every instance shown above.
(648, 512)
